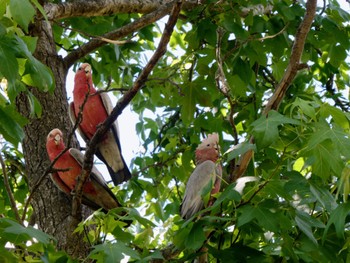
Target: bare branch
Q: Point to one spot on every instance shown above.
(9, 191)
(119, 33)
(122, 103)
(294, 61)
(103, 8)
(289, 75)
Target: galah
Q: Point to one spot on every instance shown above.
(96, 193)
(207, 173)
(94, 108)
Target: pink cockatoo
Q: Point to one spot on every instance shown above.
(96, 193)
(95, 109)
(207, 173)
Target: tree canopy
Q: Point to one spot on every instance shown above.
(270, 77)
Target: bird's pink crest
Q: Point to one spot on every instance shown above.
(212, 139)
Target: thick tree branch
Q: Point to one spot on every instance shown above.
(289, 75)
(104, 7)
(294, 62)
(119, 33)
(122, 103)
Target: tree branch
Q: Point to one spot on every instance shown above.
(119, 33)
(294, 61)
(121, 104)
(289, 75)
(103, 8)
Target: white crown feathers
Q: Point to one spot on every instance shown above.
(212, 139)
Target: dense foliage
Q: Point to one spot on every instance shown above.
(296, 210)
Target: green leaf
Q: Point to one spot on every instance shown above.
(305, 222)
(196, 237)
(306, 107)
(337, 218)
(265, 129)
(229, 194)
(188, 105)
(11, 122)
(337, 55)
(16, 233)
(112, 252)
(40, 8)
(35, 106)
(22, 12)
(239, 149)
(9, 64)
(323, 196)
(38, 74)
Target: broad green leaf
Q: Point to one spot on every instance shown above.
(265, 129)
(38, 74)
(337, 218)
(188, 105)
(16, 233)
(14, 90)
(7, 256)
(306, 222)
(112, 252)
(195, 237)
(144, 237)
(344, 184)
(8, 65)
(326, 160)
(337, 55)
(23, 12)
(323, 196)
(306, 107)
(182, 234)
(11, 123)
(339, 117)
(245, 215)
(35, 106)
(239, 149)
(229, 194)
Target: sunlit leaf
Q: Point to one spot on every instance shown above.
(22, 11)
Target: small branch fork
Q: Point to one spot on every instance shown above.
(121, 104)
(119, 33)
(292, 69)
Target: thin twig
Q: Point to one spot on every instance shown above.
(124, 31)
(9, 191)
(122, 103)
(110, 41)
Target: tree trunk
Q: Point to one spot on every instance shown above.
(51, 207)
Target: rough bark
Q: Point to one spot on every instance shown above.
(51, 207)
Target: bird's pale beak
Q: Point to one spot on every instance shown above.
(88, 69)
(57, 139)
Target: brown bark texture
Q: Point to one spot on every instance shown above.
(52, 208)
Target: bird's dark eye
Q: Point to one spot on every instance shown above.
(208, 144)
(80, 68)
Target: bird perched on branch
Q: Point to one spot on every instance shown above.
(96, 193)
(94, 108)
(205, 178)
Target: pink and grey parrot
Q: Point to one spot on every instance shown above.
(95, 109)
(207, 173)
(96, 193)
